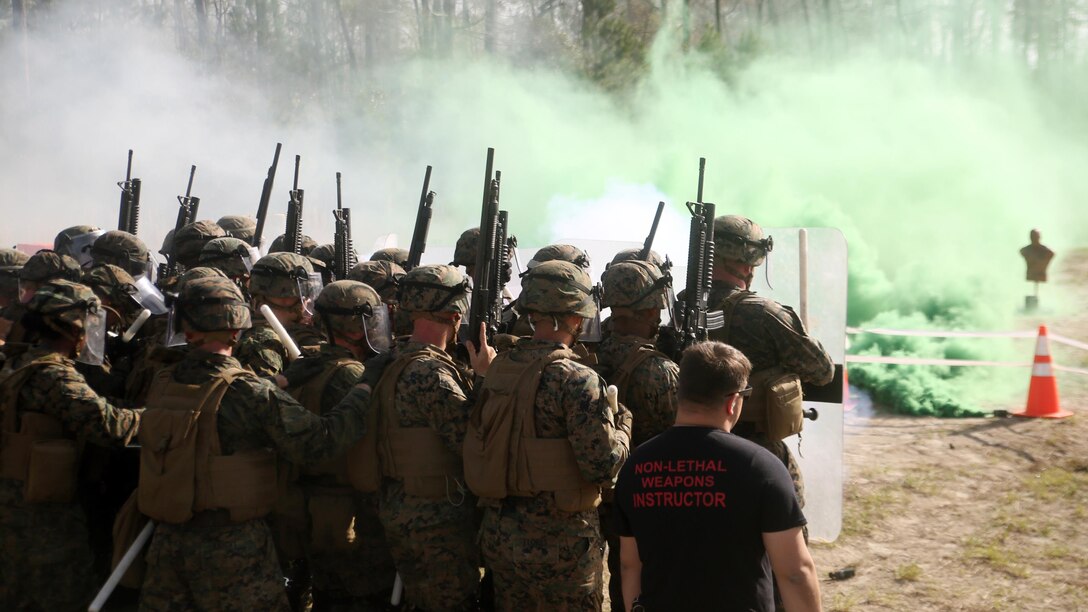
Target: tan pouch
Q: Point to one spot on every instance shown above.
(332, 522)
(168, 464)
(487, 446)
(551, 466)
(244, 483)
(126, 527)
(52, 472)
(363, 471)
(777, 395)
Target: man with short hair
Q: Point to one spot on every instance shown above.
(704, 515)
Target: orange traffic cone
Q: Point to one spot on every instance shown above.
(1043, 392)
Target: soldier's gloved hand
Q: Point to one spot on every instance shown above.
(302, 370)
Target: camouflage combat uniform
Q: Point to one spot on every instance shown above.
(46, 560)
(261, 351)
(209, 562)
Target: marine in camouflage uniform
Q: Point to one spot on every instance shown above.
(45, 560)
(355, 571)
(242, 227)
(232, 257)
(384, 277)
(189, 242)
(123, 250)
(646, 379)
(429, 520)
(76, 242)
(11, 261)
(519, 326)
(545, 557)
(42, 267)
(396, 255)
(768, 333)
(211, 561)
(278, 280)
(308, 244)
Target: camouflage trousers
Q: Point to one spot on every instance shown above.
(216, 566)
(538, 571)
(360, 572)
(46, 561)
(433, 546)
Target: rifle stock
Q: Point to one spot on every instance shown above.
(423, 222)
(266, 196)
(129, 215)
(344, 250)
(648, 245)
(292, 239)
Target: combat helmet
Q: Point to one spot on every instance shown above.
(308, 245)
(189, 241)
(114, 286)
(71, 309)
(280, 275)
(11, 261)
(434, 288)
(123, 250)
(382, 276)
(241, 227)
(76, 242)
(47, 265)
(560, 252)
(740, 239)
(209, 304)
(558, 287)
(351, 306)
(323, 259)
(633, 255)
(633, 285)
(393, 254)
(464, 253)
(232, 256)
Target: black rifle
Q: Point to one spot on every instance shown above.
(691, 323)
(129, 218)
(644, 254)
(423, 223)
(292, 238)
(492, 262)
(344, 251)
(187, 207)
(266, 195)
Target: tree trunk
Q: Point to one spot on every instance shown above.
(346, 33)
(490, 25)
(201, 23)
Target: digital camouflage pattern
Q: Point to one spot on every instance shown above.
(123, 250)
(308, 244)
(633, 255)
(544, 558)
(262, 352)
(211, 303)
(464, 252)
(278, 275)
(189, 241)
(382, 276)
(561, 252)
(394, 254)
(63, 304)
(741, 239)
(47, 265)
(237, 561)
(242, 227)
(348, 306)
(46, 560)
(115, 287)
(633, 285)
(434, 288)
(363, 574)
(433, 541)
(227, 255)
(557, 287)
(11, 261)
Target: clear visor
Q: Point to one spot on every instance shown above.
(149, 296)
(251, 258)
(308, 290)
(591, 329)
(379, 330)
(80, 247)
(174, 335)
(94, 338)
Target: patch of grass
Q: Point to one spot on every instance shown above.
(923, 484)
(1057, 551)
(1024, 525)
(866, 506)
(910, 572)
(995, 555)
(1057, 483)
(843, 602)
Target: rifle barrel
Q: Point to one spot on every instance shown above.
(298, 160)
(339, 199)
(702, 171)
(189, 187)
(128, 170)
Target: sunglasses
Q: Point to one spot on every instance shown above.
(745, 392)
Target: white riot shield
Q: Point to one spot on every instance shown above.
(812, 280)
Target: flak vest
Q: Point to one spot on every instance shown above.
(503, 456)
(416, 456)
(182, 468)
(776, 405)
(34, 448)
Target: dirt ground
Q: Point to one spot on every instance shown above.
(969, 514)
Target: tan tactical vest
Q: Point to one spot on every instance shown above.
(775, 406)
(309, 395)
(182, 468)
(503, 455)
(417, 456)
(34, 449)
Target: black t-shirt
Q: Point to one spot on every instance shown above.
(698, 500)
